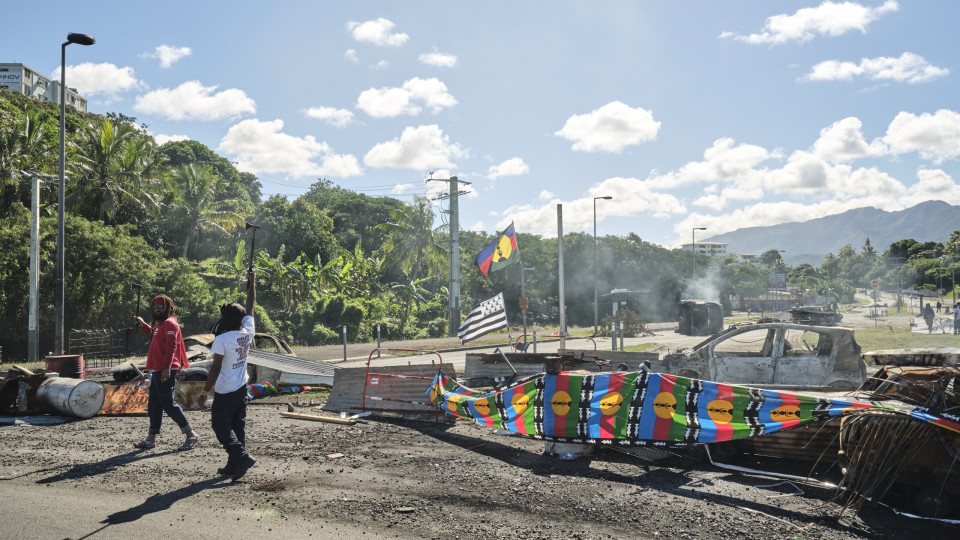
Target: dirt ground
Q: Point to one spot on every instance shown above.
(393, 478)
(397, 478)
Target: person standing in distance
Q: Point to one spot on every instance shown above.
(166, 357)
(228, 378)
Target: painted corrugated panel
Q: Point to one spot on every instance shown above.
(394, 394)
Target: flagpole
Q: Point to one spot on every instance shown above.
(563, 311)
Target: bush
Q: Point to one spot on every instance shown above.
(321, 335)
(633, 324)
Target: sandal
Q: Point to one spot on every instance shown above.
(145, 444)
(188, 444)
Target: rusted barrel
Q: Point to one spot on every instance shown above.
(67, 365)
(70, 397)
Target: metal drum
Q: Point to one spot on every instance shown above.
(70, 397)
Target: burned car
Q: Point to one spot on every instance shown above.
(815, 316)
(699, 318)
(198, 352)
(198, 345)
(775, 354)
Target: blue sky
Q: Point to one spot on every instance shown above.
(690, 114)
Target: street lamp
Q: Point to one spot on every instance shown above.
(79, 39)
(596, 314)
(693, 248)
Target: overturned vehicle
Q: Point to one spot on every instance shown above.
(774, 354)
(700, 318)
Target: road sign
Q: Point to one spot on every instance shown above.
(875, 283)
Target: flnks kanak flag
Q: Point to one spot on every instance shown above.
(490, 315)
(499, 253)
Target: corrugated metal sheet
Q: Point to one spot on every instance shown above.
(289, 364)
(933, 356)
(809, 443)
(492, 366)
(407, 396)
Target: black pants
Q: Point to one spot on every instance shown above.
(161, 401)
(228, 417)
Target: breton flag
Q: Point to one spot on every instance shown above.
(490, 315)
(499, 253)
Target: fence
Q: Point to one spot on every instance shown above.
(100, 348)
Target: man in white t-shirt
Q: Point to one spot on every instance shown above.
(228, 377)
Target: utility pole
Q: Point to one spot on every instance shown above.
(33, 354)
(454, 286)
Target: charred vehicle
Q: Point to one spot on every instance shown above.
(777, 354)
(700, 318)
(815, 316)
(198, 352)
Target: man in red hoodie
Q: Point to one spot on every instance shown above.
(167, 356)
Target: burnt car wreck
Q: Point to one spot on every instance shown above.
(774, 353)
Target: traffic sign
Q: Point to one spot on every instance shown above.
(875, 283)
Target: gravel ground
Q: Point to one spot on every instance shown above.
(395, 479)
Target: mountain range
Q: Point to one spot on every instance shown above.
(810, 241)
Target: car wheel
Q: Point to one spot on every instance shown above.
(194, 374)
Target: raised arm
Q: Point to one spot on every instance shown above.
(251, 291)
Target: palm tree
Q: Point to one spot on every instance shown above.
(99, 163)
(192, 193)
(23, 147)
(411, 240)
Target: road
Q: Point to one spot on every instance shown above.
(662, 334)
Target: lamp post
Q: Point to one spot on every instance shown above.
(693, 248)
(79, 39)
(596, 313)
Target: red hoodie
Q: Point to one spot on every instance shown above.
(166, 347)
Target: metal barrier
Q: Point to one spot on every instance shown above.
(99, 348)
(366, 379)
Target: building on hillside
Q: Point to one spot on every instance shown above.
(706, 248)
(25, 80)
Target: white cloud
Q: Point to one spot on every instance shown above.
(478, 227)
(610, 128)
(193, 101)
(631, 197)
(843, 141)
(439, 59)
(168, 54)
(422, 147)
(910, 68)
(511, 167)
(163, 139)
(934, 136)
(723, 162)
(378, 32)
(262, 148)
(829, 19)
(381, 65)
(415, 95)
(333, 116)
(99, 79)
(546, 195)
(351, 55)
(400, 188)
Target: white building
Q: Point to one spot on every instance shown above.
(706, 248)
(24, 80)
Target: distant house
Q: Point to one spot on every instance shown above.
(24, 80)
(706, 248)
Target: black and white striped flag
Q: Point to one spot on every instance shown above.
(490, 315)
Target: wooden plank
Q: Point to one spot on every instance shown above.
(315, 418)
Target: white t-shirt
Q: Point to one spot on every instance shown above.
(234, 346)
